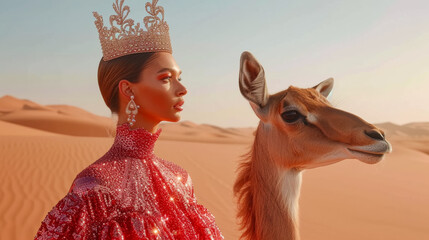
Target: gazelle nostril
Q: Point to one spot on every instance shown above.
(374, 134)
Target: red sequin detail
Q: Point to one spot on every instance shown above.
(130, 193)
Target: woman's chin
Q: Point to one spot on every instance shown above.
(175, 118)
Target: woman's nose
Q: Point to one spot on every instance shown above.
(181, 90)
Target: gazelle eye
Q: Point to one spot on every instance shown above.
(291, 116)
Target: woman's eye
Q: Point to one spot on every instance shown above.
(179, 79)
(291, 116)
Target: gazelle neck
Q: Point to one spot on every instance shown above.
(276, 194)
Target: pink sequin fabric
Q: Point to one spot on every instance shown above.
(130, 193)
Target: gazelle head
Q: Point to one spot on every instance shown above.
(301, 129)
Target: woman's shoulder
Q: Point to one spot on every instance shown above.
(95, 175)
(179, 173)
(172, 166)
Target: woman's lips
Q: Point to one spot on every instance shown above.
(178, 106)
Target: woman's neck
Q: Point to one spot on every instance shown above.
(148, 124)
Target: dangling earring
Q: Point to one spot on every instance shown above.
(132, 110)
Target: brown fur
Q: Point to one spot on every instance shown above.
(260, 208)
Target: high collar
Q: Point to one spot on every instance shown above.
(135, 143)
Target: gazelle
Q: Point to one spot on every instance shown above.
(298, 129)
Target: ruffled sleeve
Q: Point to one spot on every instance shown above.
(67, 220)
(96, 215)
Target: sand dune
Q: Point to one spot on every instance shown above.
(41, 152)
(73, 121)
(9, 104)
(188, 131)
(60, 119)
(406, 131)
(12, 129)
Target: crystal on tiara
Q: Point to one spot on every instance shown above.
(128, 38)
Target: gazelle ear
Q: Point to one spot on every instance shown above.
(252, 84)
(325, 87)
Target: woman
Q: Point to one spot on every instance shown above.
(130, 193)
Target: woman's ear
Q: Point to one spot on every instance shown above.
(125, 88)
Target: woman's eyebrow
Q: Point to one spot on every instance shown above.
(170, 70)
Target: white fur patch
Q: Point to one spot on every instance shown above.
(290, 186)
(311, 118)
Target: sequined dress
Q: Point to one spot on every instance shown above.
(130, 193)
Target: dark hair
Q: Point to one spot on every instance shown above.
(111, 72)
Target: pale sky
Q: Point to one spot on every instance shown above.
(377, 52)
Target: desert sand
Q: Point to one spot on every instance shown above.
(42, 148)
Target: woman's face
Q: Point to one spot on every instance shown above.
(159, 91)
